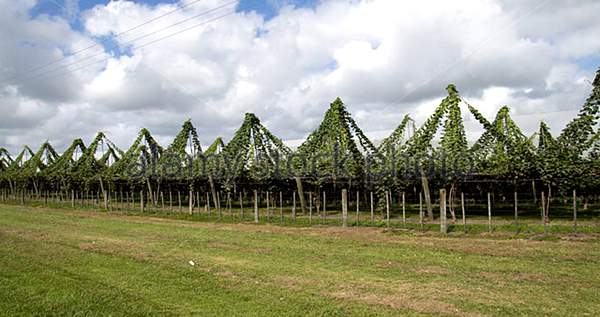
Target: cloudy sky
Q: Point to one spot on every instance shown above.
(71, 68)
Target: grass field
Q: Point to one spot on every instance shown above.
(65, 262)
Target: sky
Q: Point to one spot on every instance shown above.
(70, 68)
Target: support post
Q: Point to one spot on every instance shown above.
(344, 207)
(281, 205)
(574, 210)
(516, 210)
(241, 206)
(387, 207)
(421, 209)
(372, 209)
(404, 209)
(443, 220)
(464, 217)
(357, 207)
(310, 207)
(191, 201)
(256, 206)
(489, 201)
(294, 206)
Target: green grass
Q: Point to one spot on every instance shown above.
(65, 262)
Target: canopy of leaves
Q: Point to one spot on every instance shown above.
(338, 136)
(46, 155)
(254, 151)
(96, 159)
(503, 149)
(5, 159)
(216, 147)
(144, 152)
(61, 168)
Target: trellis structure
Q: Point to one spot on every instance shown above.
(336, 155)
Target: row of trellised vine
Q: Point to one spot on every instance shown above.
(336, 152)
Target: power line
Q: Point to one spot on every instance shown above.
(472, 53)
(96, 44)
(140, 46)
(42, 74)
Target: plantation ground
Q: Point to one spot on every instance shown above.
(65, 262)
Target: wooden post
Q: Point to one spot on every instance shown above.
(403, 209)
(357, 207)
(256, 206)
(241, 206)
(197, 201)
(387, 207)
(191, 201)
(162, 200)
(574, 210)
(142, 201)
(372, 209)
(516, 210)
(462, 206)
(179, 199)
(219, 204)
(310, 207)
(208, 203)
(268, 209)
(443, 220)
(543, 209)
(344, 207)
(324, 204)
(170, 200)
(72, 198)
(281, 205)
(294, 206)
(489, 199)
(421, 209)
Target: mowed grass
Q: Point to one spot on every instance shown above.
(64, 262)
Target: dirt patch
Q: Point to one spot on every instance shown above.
(435, 270)
(400, 300)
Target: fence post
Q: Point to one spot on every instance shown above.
(464, 217)
(142, 200)
(372, 209)
(387, 207)
(310, 206)
(191, 201)
(219, 204)
(443, 222)
(403, 209)
(489, 200)
(179, 200)
(574, 210)
(421, 209)
(344, 207)
(357, 207)
(241, 206)
(207, 203)
(229, 203)
(268, 209)
(516, 210)
(255, 206)
(281, 205)
(543, 210)
(294, 206)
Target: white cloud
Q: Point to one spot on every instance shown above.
(385, 58)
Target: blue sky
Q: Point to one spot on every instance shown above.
(267, 8)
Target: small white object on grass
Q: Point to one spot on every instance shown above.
(192, 263)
